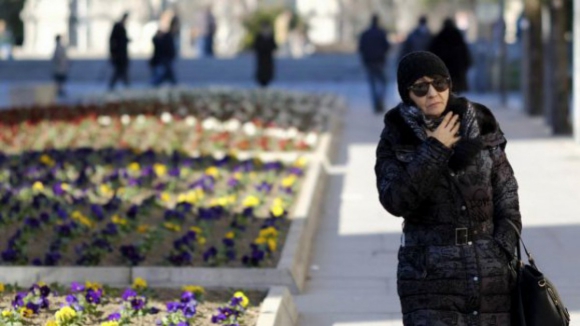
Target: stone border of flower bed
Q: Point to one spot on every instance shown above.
(278, 308)
(290, 272)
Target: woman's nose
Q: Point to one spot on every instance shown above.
(432, 91)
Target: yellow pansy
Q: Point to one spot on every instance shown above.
(172, 227)
(194, 289)
(51, 323)
(25, 312)
(238, 176)
(165, 197)
(196, 229)
(245, 301)
(269, 232)
(38, 186)
(201, 240)
(221, 201)
(2, 287)
(41, 283)
(139, 283)
(65, 314)
(118, 220)
(160, 169)
(288, 181)
(301, 162)
(93, 286)
(251, 201)
(46, 160)
(212, 171)
(278, 202)
(230, 235)
(260, 240)
(272, 244)
(134, 167)
(277, 210)
(6, 313)
(143, 228)
(110, 323)
(65, 186)
(106, 190)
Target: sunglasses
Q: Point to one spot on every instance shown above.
(440, 84)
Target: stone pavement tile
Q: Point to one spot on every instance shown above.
(347, 319)
(337, 284)
(346, 301)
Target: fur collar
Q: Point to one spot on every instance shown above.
(398, 132)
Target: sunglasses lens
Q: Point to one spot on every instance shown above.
(441, 84)
(420, 89)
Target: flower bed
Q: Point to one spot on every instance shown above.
(120, 207)
(187, 120)
(93, 304)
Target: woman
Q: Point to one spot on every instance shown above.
(441, 166)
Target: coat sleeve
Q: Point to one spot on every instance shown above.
(403, 186)
(505, 195)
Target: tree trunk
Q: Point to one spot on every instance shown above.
(576, 71)
(533, 51)
(560, 64)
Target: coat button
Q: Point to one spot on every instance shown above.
(475, 313)
(470, 243)
(452, 174)
(476, 279)
(463, 208)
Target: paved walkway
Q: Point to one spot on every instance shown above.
(353, 268)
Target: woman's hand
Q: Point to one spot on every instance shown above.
(446, 133)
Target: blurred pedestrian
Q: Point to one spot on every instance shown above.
(163, 57)
(373, 47)
(450, 46)
(264, 47)
(118, 49)
(209, 33)
(60, 66)
(418, 39)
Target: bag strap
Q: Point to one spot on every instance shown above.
(520, 240)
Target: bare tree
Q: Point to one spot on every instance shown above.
(533, 58)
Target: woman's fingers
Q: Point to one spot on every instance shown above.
(455, 128)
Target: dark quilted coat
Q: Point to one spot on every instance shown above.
(454, 258)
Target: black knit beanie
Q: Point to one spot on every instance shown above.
(414, 66)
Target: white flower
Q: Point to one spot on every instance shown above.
(292, 132)
(249, 128)
(311, 139)
(140, 119)
(125, 119)
(210, 123)
(166, 117)
(232, 125)
(190, 120)
(104, 120)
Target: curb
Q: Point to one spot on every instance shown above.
(278, 309)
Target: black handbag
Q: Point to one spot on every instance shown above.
(535, 300)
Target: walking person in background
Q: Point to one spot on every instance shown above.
(450, 46)
(60, 65)
(373, 47)
(418, 39)
(118, 49)
(163, 56)
(264, 47)
(441, 165)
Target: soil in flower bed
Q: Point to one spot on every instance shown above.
(157, 298)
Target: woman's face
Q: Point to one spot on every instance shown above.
(434, 102)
